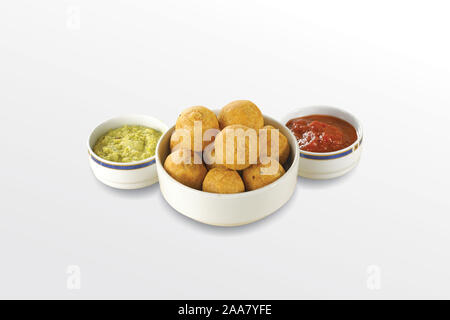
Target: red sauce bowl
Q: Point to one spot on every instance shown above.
(327, 165)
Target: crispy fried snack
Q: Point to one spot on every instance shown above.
(260, 175)
(187, 120)
(283, 145)
(182, 167)
(236, 147)
(220, 180)
(209, 158)
(243, 112)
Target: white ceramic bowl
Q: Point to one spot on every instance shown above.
(228, 209)
(129, 175)
(327, 165)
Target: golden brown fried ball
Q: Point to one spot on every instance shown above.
(186, 121)
(186, 167)
(240, 154)
(220, 180)
(260, 175)
(243, 112)
(283, 145)
(177, 141)
(209, 158)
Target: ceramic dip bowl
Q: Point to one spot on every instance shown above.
(327, 165)
(124, 175)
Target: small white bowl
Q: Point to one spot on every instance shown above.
(327, 165)
(128, 175)
(228, 209)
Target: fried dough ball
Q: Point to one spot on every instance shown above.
(243, 112)
(186, 121)
(260, 175)
(178, 141)
(240, 154)
(283, 145)
(209, 158)
(186, 167)
(220, 180)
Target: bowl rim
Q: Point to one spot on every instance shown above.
(294, 166)
(358, 128)
(132, 163)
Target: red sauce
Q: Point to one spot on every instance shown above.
(322, 133)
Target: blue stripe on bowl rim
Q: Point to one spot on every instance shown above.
(333, 156)
(330, 157)
(124, 167)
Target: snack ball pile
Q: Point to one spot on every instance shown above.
(204, 166)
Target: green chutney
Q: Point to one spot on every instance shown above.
(128, 144)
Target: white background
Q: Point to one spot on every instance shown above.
(385, 61)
